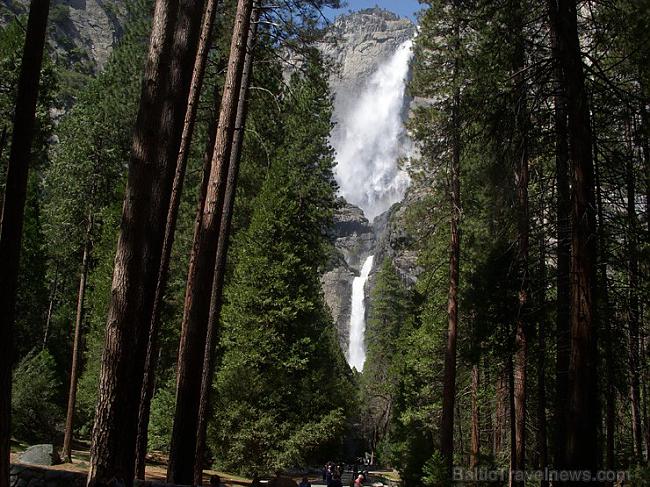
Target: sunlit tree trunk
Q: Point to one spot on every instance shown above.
(202, 261)
(170, 229)
(154, 152)
(76, 346)
(222, 251)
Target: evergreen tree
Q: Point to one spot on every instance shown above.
(282, 386)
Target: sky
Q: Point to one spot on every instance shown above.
(404, 8)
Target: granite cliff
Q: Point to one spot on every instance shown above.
(82, 33)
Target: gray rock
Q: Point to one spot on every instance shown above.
(84, 30)
(40, 455)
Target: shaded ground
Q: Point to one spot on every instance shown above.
(156, 465)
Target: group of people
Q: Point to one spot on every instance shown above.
(332, 476)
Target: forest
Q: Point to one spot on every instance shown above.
(167, 220)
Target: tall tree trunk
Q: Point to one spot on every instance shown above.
(542, 440)
(475, 452)
(582, 426)
(512, 421)
(50, 307)
(500, 412)
(563, 211)
(152, 164)
(633, 305)
(199, 285)
(13, 209)
(222, 250)
(170, 229)
(521, 181)
(603, 287)
(74, 370)
(449, 380)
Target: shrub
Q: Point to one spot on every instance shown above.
(35, 412)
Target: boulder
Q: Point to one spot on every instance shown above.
(44, 454)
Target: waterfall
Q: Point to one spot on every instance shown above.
(369, 139)
(357, 347)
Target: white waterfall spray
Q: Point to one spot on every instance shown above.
(357, 347)
(369, 139)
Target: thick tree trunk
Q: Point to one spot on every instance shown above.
(76, 346)
(475, 451)
(13, 209)
(199, 285)
(170, 229)
(582, 426)
(152, 164)
(563, 210)
(222, 251)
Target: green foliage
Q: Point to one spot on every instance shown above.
(162, 416)
(35, 395)
(282, 387)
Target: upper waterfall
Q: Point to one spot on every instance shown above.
(370, 138)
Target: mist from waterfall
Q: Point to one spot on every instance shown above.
(370, 138)
(357, 347)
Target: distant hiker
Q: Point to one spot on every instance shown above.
(329, 476)
(305, 482)
(336, 481)
(325, 473)
(359, 480)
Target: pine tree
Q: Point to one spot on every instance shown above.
(281, 388)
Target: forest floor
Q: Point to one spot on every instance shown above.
(156, 465)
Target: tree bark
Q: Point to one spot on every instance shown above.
(152, 164)
(13, 209)
(582, 427)
(512, 421)
(449, 378)
(475, 452)
(563, 250)
(522, 177)
(170, 229)
(542, 438)
(216, 300)
(74, 370)
(202, 261)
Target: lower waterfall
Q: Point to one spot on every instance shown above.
(357, 347)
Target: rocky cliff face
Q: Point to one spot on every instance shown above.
(81, 32)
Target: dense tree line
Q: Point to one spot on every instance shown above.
(530, 350)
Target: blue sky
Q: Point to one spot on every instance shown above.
(404, 8)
